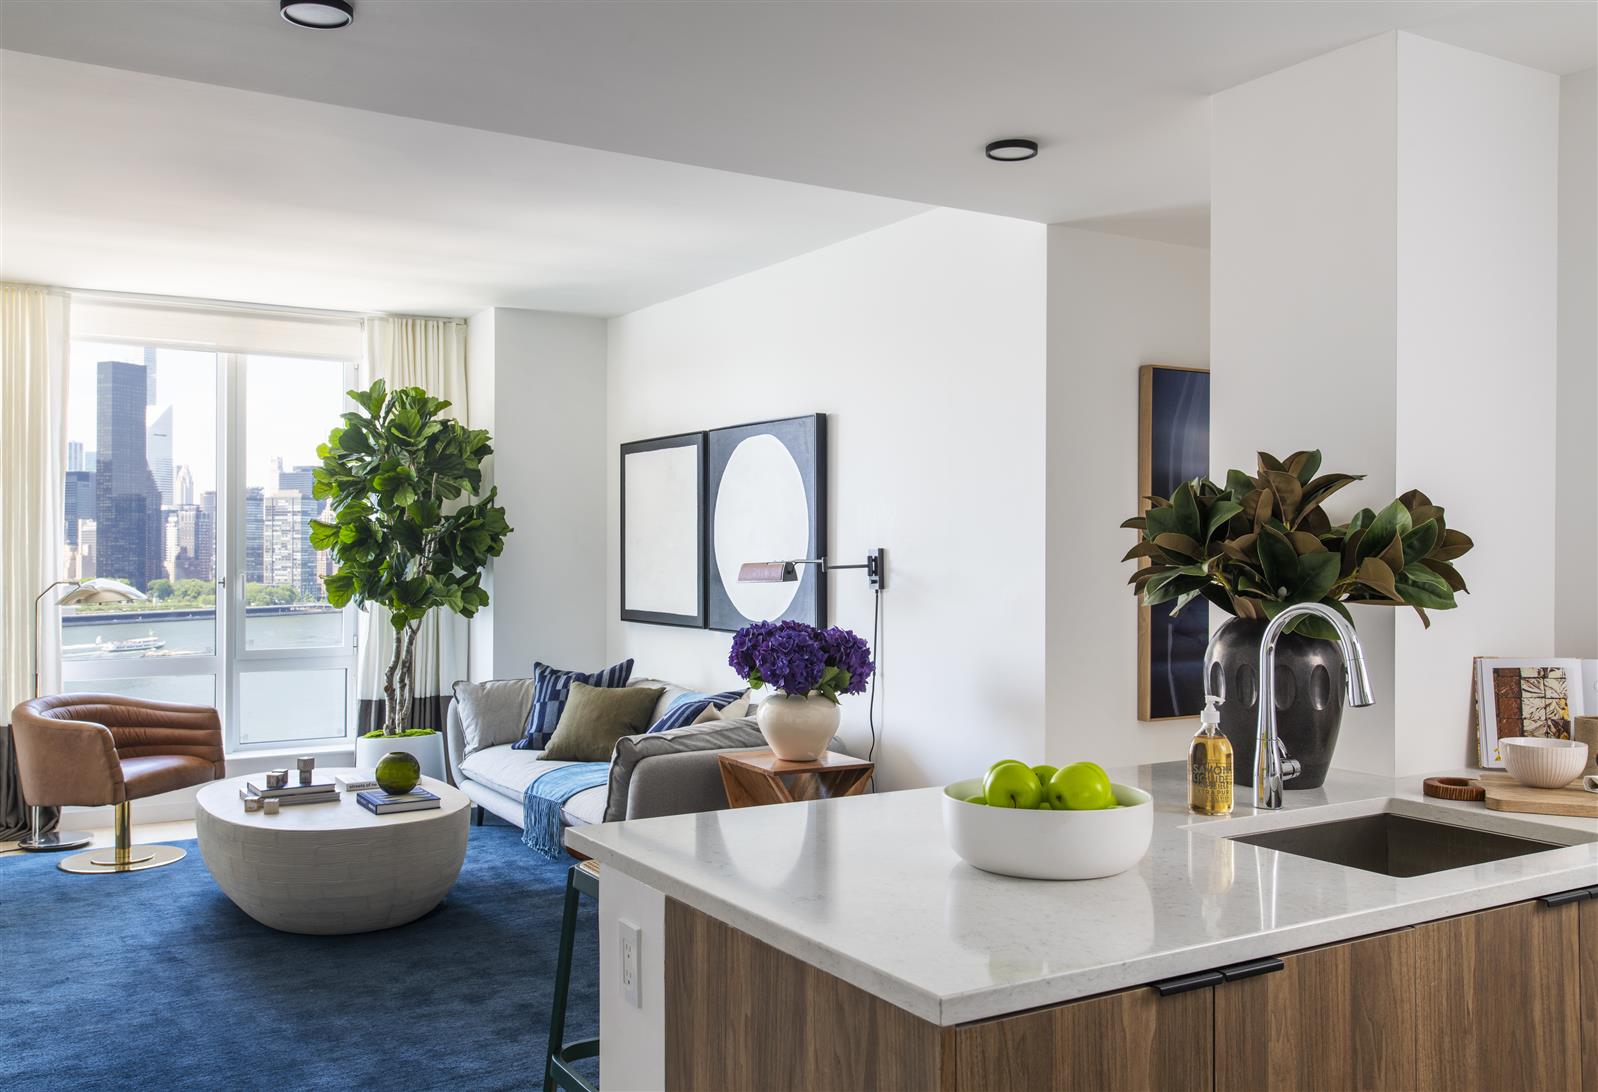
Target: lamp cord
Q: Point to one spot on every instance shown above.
(871, 700)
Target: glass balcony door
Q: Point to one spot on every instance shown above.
(189, 477)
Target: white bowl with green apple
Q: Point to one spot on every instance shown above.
(1043, 823)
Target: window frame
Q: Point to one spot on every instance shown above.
(229, 659)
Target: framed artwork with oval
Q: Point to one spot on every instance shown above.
(766, 501)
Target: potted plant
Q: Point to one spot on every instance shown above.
(409, 533)
(808, 668)
(1262, 542)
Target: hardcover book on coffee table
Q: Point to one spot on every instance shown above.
(381, 803)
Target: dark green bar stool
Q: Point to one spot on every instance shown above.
(581, 879)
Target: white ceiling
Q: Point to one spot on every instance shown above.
(123, 181)
(887, 98)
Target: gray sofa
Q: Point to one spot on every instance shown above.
(669, 773)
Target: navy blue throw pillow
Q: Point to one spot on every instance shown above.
(551, 688)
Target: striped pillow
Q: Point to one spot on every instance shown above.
(688, 708)
(551, 688)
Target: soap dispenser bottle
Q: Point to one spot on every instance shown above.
(1209, 765)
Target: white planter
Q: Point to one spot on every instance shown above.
(428, 751)
(797, 729)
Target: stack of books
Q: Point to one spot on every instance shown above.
(320, 792)
(379, 802)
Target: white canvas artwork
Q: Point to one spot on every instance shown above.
(761, 515)
(661, 541)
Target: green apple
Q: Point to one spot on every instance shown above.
(1081, 786)
(1005, 762)
(1044, 772)
(1012, 785)
(1044, 805)
(978, 799)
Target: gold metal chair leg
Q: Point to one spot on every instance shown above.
(124, 856)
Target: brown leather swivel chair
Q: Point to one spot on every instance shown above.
(97, 749)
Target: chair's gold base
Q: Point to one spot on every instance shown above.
(124, 856)
(137, 859)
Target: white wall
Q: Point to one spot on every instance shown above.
(1478, 151)
(1115, 303)
(537, 381)
(924, 343)
(1576, 519)
(1303, 316)
(1383, 285)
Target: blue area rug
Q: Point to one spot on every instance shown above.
(154, 980)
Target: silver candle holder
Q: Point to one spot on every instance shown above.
(277, 779)
(306, 764)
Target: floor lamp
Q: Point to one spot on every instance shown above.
(99, 590)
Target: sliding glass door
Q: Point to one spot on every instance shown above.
(189, 477)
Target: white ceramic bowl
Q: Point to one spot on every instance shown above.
(1049, 845)
(1543, 763)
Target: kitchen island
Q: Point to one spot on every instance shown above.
(841, 943)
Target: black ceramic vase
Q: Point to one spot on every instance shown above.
(1309, 698)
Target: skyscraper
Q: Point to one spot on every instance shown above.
(297, 479)
(75, 455)
(254, 567)
(79, 501)
(127, 504)
(183, 485)
(289, 559)
(158, 447)
(149, 372)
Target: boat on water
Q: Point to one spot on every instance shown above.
(123, 646)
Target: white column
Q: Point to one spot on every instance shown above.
(1383, 261)
(537, 380)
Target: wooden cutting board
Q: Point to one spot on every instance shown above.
(1504, 793)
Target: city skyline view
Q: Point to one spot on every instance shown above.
(142, 500)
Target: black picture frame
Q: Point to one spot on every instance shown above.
(805, 438)
(696, 619)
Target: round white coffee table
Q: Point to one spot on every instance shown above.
(333, 867)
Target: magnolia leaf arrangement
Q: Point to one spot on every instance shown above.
(409, 532)
(1261, 543)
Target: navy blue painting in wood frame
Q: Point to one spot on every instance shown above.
(1173, 447)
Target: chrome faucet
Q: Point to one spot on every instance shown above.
(1271, 764)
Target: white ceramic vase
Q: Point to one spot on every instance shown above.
(797, 728)
(429, 752)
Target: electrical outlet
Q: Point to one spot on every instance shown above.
(631, 938)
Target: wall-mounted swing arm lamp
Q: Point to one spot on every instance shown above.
(780, 572)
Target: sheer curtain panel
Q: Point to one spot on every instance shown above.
(33, 418)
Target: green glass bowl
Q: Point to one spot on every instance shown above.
(398, 773)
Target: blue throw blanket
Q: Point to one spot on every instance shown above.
(545, 797)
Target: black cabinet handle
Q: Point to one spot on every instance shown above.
(1564, 898)
(1184, 983)
(1250, 969)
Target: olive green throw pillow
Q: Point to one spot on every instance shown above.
(595, 717)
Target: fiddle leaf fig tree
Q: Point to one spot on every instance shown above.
(409, 531)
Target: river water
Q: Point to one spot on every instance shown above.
(308, 702)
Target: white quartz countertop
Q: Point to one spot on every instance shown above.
(867, 889)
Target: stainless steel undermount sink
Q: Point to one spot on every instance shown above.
(1396, 845)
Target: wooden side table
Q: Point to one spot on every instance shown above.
(752, 778)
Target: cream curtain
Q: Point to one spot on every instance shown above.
(33, 423)
(431, 354)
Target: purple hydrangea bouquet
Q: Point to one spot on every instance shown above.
(797, 659)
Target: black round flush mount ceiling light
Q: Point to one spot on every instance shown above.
(1012, 150)
(317, 14)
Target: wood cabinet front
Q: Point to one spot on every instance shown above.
(1589, 992)
(1135, 1039)
(1498, 1000)
(1332, 1018)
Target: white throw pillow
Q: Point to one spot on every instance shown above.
(492, 713)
